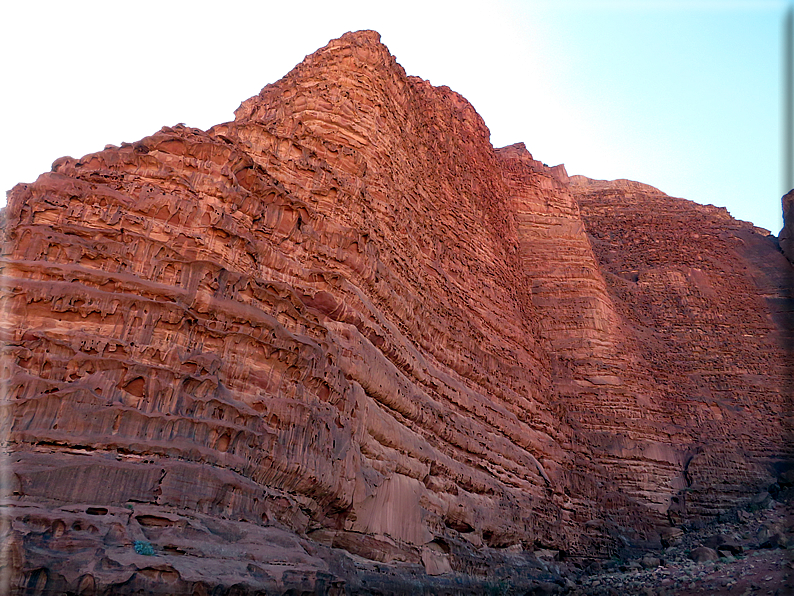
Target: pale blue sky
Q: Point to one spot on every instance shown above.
(686, 96)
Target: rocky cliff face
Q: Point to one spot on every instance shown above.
(341, 343)
(707, 303)
(787, 233)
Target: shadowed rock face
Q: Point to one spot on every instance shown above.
(706, 302)
(342, 340)
(787, 233)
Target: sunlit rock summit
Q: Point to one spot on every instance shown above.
(341, 344)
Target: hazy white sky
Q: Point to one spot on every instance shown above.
(686, 96)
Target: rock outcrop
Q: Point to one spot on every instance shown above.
(787, 233)
(341, 344)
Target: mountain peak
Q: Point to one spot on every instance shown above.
(359, 37)
(345, 62)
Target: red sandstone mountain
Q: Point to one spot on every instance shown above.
(343, 343)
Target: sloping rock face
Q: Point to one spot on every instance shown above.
(342, 344)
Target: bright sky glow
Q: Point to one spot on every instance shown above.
(685, 96)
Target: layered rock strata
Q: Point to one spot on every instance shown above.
(709, 301)
(343, 331)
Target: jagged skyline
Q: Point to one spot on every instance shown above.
(686, 97)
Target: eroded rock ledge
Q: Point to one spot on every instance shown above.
(343, 339)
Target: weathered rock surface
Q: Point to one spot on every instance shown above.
(787, 233)
(709, 301)
(343, 344)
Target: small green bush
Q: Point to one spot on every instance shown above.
(144, 548)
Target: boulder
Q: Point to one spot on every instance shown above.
(701, 554)
(724, 543)
(650, 561)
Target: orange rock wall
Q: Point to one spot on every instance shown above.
(708, 301)
(345, 317)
